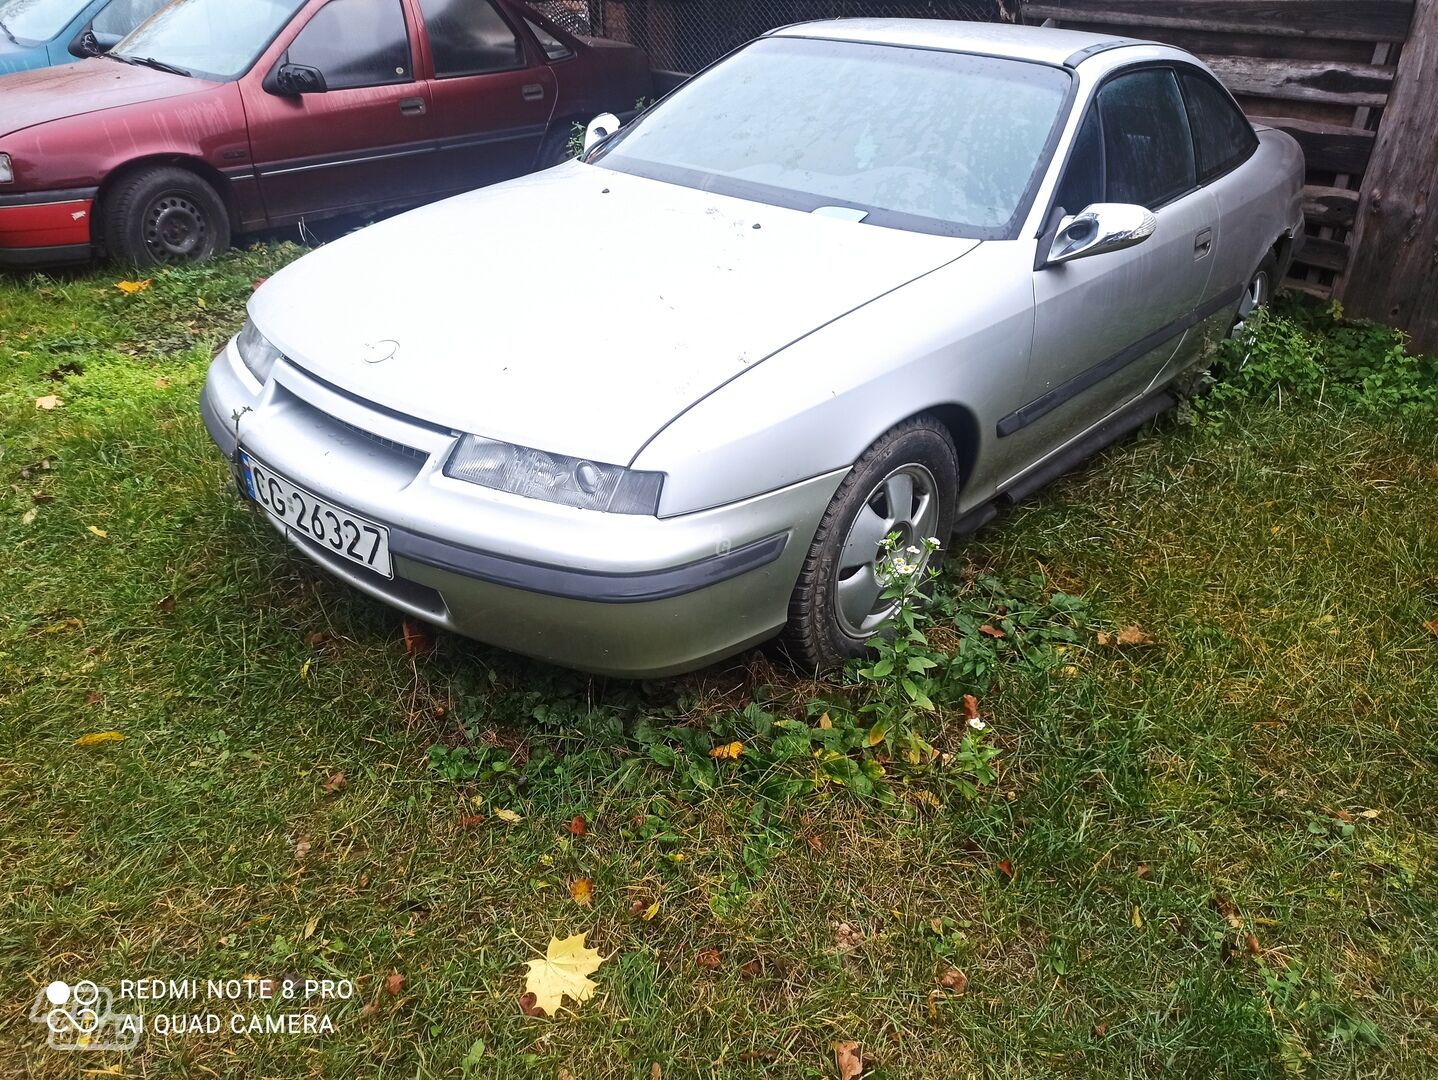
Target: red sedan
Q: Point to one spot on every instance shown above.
(216, 117)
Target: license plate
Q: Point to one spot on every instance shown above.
(345, 534)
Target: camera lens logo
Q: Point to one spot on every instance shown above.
(82, 1017)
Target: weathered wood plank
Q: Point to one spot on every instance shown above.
(1394, 274)
(1304, 80)
(1326, 147)
(1323, 253)
(1352, 20)
(1330, 206)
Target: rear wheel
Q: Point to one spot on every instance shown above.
(904, 486)
(557, 147)
(165, 216)
(1257, 293)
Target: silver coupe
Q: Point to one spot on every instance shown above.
(854, 286)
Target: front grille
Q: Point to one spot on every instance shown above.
(379, 440)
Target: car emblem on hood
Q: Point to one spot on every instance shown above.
(377, 352)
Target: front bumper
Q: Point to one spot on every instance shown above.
(614, 594)
(45, 229)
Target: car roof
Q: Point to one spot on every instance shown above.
(1048, 45)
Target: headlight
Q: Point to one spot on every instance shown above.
(554, 478)
(7, 170)
(256, 351)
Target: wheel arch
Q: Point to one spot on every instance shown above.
(963, 427)
(202, 169)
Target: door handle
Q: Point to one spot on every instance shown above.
(533, 92)
(412, 106)
(1202, 243)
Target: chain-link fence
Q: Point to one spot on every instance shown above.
(685, 35)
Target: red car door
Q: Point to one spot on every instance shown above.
(493, 94)
(363, 140)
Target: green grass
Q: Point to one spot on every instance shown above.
(1221, 844)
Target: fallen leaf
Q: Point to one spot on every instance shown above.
(311, 926)
(825, 723)
(655, 1072)
(846, 938)
(48, 402)
(94, 697)
(954, 981)
(393, 984)
(417, 638)
(471, 821)
(1100, 1029)
(577, 825)
(581, 889)
(528, 1007)
(1251, 943)
(316, 639)
(1369, 814)
(563, 972)
(1142, 870)
(992, 631)
(850, 1060)
(369, 1010)
(1431, 626)
(1007, 869)
(97, 531)
(971, 707)
(1132, 635)
(1105, 639)
(508, 816)
(29, 516)
(130, 288)
(708, 958)
(1136, 918)
(302, 847)
(162, 383)
(727, 752)
(167, 604)
(99, 738)
(333, 783)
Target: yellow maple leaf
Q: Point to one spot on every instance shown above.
(96, 738)
(582, 890)
(130, 288)
(727, 752)
(563, 972)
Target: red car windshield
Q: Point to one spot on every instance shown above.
(212, 39)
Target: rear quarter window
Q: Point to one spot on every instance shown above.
(1222, 136)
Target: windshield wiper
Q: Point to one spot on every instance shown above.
(6, 30)
(151, 62)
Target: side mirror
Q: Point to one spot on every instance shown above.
(87, 43)
(599, 129)
(292, 80)
(1099, 229)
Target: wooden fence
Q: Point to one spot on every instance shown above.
(1325, 72)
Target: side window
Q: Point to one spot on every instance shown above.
(119, 17)
(1083, 175)
(356, 43)
(1222, 136)
(469, 37)
(553, 48)
(1148, 151)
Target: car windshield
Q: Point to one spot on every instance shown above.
(34, 21)
(215, 39)
(919, 139)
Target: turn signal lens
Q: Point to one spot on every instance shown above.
(7, 170)
(256, 351)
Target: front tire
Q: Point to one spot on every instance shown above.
(165, 216)
(907, 484)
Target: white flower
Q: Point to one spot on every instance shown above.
(914, 551)
(977, 724)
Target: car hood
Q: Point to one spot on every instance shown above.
(577, 310)
(37, 97)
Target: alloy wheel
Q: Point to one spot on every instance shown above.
(904, 505)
